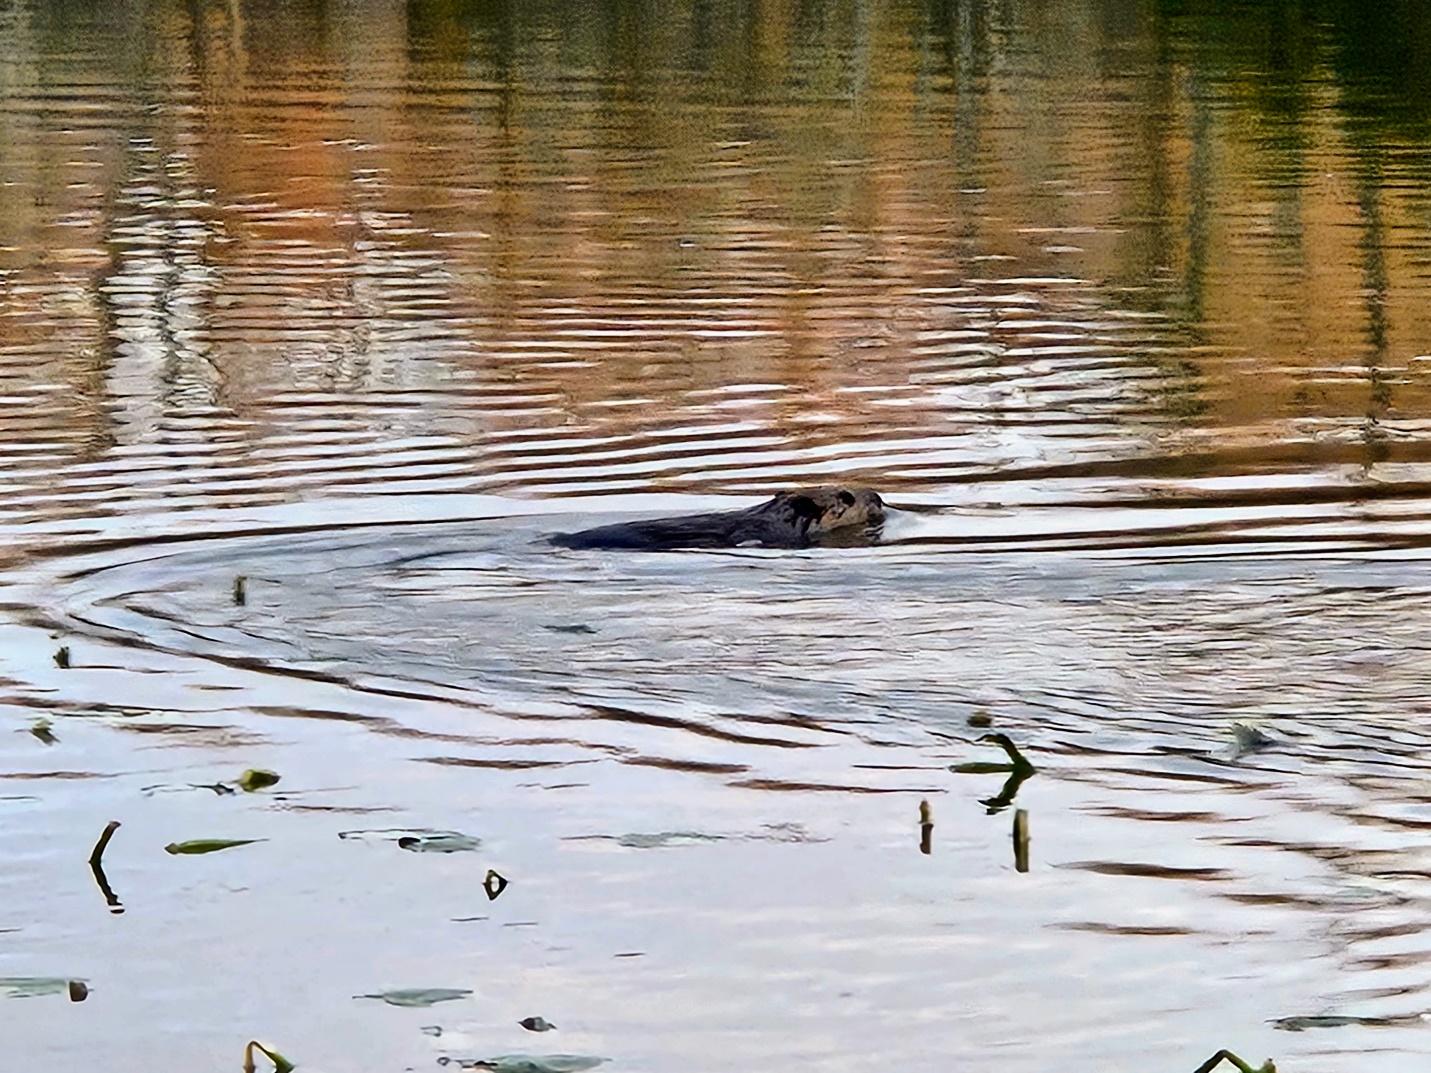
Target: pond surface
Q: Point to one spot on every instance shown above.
(1125, 305)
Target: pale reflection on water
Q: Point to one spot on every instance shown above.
(1124, 305)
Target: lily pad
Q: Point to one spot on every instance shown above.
(419, 996)
(533, 1063)
(37, 986)
(208, 845)
(256, 779)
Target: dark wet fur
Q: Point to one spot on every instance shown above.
(808, 517)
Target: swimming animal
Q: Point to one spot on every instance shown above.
(802, 518)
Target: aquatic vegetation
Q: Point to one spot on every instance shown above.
(493, 884)
(1018, 768)
(417, 839)
(96, 866)
(1244, 1067)
(256, 779)
(529, 1063)
(280, 1063)
(1247, 738)
(439, 842)
(1021, 840)
(100, 846)
(208, 845)
(39, 986)
(413, 997)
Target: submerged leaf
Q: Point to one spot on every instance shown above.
(36, 986)
(664, 838)
(439, 842)
(208, 845)
(533, 1063)
(418, 996)
(256, 779)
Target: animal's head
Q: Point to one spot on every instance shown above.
(832, 508)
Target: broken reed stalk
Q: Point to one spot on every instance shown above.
(105, 836)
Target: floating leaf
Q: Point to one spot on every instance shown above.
(439, 842)
(208, 845)
(36, 986)
(256, 778)
(536, 1024)
(419, 996)
(533, 1063)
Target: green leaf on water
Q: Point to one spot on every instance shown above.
(533, 1063)
(256, 778)
(208, 845)
(37, 986)
(419, 996)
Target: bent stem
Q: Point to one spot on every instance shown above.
(280, 1064)
(1243, 1067)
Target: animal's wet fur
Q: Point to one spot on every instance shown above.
(805, 517)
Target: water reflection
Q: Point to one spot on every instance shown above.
(258, 252)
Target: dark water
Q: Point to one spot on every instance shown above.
(1126, 305)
